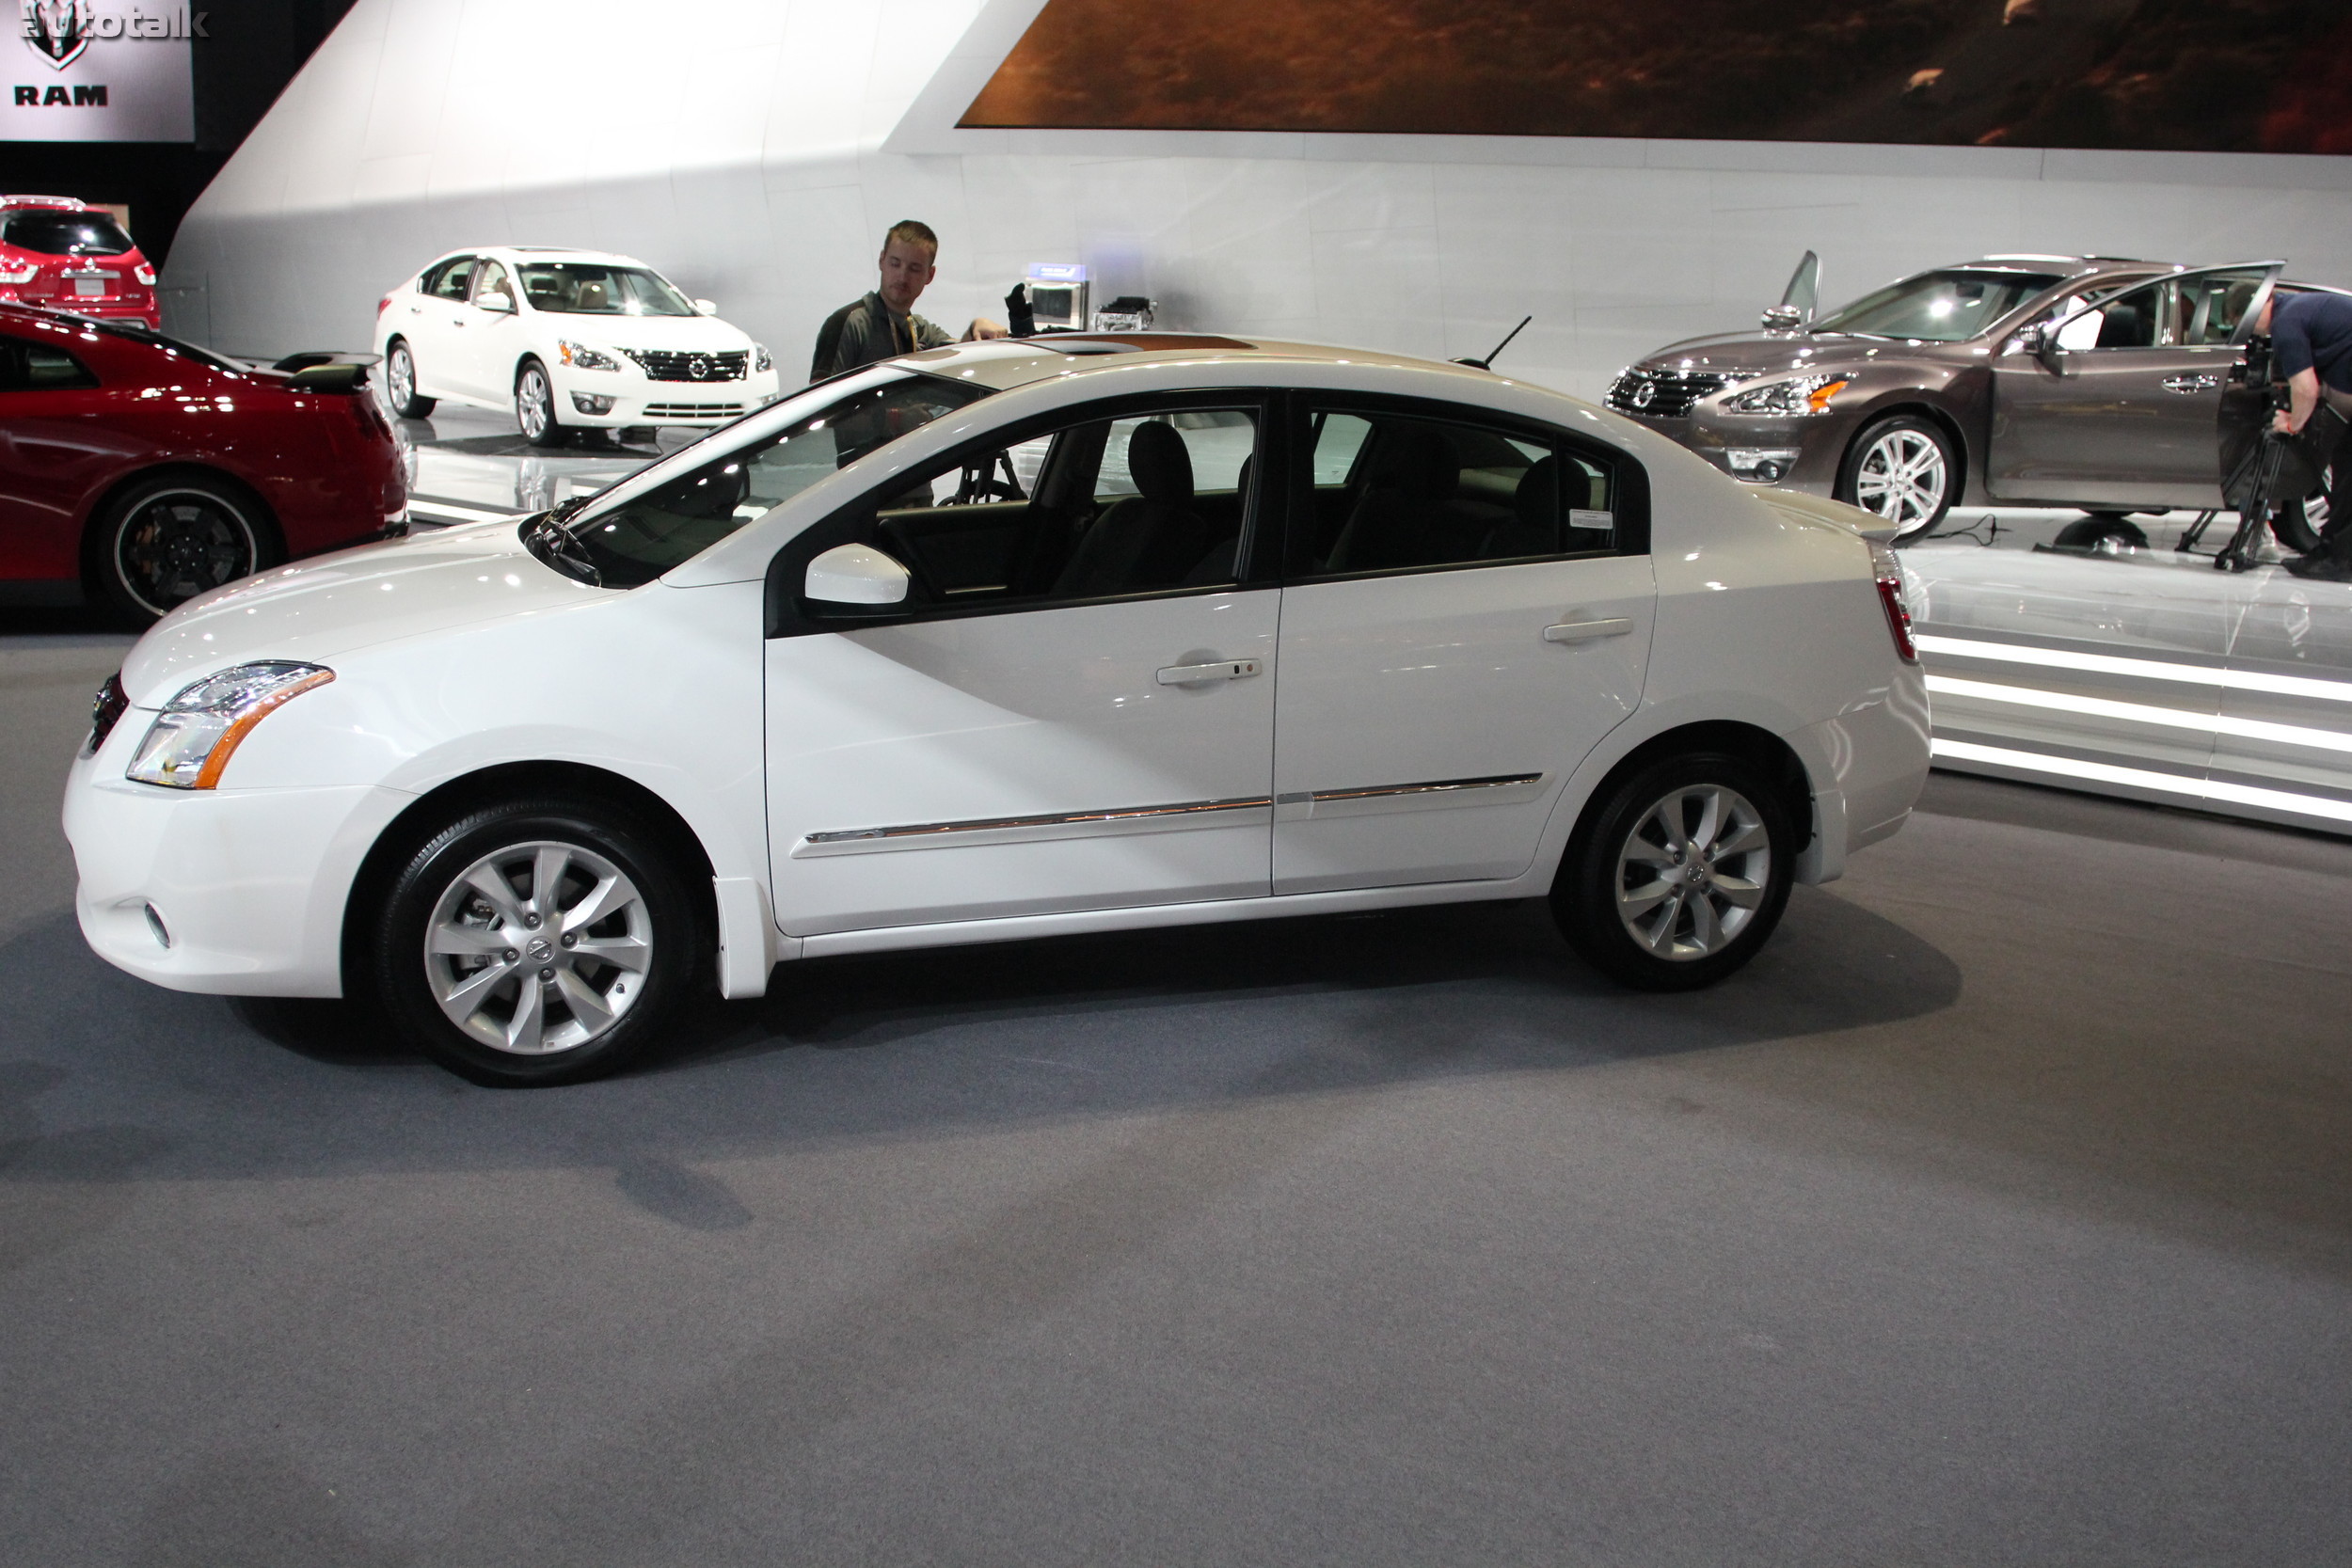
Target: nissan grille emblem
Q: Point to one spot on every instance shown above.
(1643, 392)
(698, 367)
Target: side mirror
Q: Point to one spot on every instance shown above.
(498, 302)
(2040, 343)
(1783, 318)
(706, 307)
(856, 575)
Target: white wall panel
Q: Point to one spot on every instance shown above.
(755, 149)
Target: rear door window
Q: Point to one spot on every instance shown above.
(450, 279)
(1388, 492)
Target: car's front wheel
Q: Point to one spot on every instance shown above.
(400, 384)
(535, 943)
(1904, 469)
(1683, 875)
(165, 540)
(535, 406)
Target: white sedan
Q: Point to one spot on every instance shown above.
(570, 339)
(1005, 641)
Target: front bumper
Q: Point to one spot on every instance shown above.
(609, 399)
(247, 887)
(1784, 453)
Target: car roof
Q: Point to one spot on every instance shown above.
(1005, 363)
(59, 203)
(535, 253)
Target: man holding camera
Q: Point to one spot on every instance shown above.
(2310, 344)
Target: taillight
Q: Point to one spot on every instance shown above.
(383, 305)
(1889, 570)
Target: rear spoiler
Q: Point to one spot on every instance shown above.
(327, 369)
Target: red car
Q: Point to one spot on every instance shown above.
(71, 256)
(143, 471)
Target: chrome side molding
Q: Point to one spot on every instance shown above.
(1027, 830)
(1492, 790)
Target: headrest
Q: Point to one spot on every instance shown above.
(1537, 499)
(1421, 463)
(1159, 464)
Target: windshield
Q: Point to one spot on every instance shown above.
(652, 528)
(593, 289)
(1938, 306)
(57, 233)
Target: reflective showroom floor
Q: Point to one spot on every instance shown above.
(1955, 1230)
(2127, 668)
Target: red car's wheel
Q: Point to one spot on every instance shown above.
(165, 540)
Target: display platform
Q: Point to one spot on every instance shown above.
(2122, 669)
(2135, 669)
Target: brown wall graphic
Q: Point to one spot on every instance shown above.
(2196, 76)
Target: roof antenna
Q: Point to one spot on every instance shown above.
(1495, 352)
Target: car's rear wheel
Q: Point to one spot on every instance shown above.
(539, 942)
(535, 406)
(1904, 468)
(165, 540)
(400, 384)
(1681, 876)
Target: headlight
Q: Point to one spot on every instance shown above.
(1804, 394)
(581, 358)
(197, 732)
(760, 357)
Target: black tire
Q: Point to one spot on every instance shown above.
(2297, 524)
(533, 1018)
(165, 540)
(1676, 952)
(2089, 532)
(1863, 482)
(400, 384)
(535, 406)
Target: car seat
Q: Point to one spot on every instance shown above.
(1538, 509)
(1399, 521)
(1148, 540)
(594, 296)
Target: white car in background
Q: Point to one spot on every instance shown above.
(569, 340)
(1004, 641)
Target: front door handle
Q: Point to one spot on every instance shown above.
(1584, 631)
(2191, 383)
(1201, 675)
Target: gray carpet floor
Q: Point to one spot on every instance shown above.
(2000, 1213)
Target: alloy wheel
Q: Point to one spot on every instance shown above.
(533, 401)
(538, 948)
(1692, 872)
(182, 543)
(400, 379)
(1904, 477)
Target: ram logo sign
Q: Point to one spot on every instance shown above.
(115, 70)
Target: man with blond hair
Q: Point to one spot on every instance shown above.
(883, 324)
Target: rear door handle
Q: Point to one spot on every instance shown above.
(1584, 631)
(1201, 675)
(2191, 383)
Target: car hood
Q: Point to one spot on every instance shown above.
(1747, 354)
(677, 334)
(322, 608)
